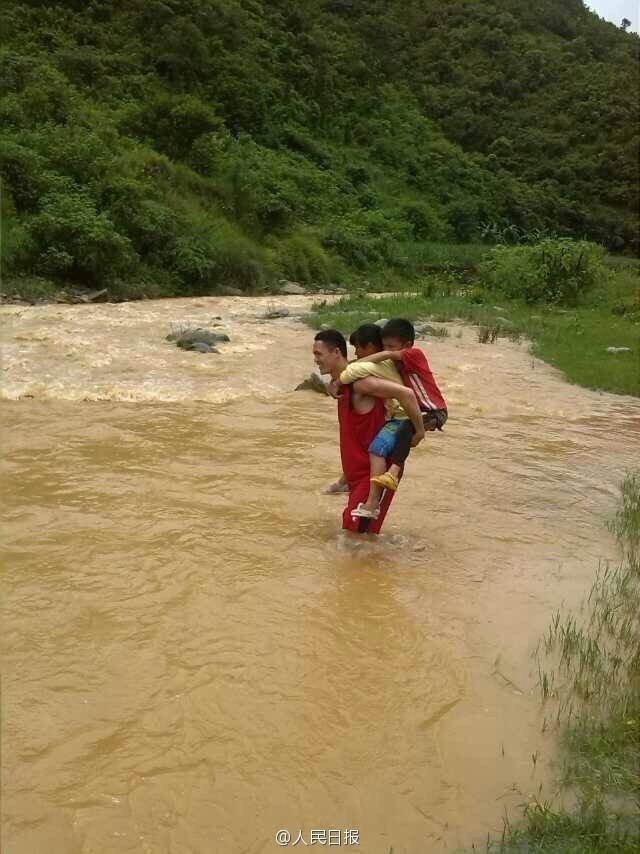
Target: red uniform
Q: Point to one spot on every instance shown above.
(416, 373)
(357, 430)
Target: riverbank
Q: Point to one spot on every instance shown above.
(595, 344)
(589, 679)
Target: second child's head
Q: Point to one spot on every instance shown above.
(367, 339)
(398, 334)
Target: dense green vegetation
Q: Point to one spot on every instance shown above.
(169, 146)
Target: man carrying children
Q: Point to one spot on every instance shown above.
(361, 414)
(388, 366)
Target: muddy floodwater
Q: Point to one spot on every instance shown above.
(195, 657)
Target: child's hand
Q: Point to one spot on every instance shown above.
(417, 438)
(334, 388)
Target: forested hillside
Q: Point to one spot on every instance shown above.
(170, 147)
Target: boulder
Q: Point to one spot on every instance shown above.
(291, 288)
(278, 311)
(424, 329)
(183, 329)
(315, 382)
(199, 347)
(382, 322)
(93, 296)
(199, 336)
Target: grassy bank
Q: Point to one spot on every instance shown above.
(256, 276)
(573, 340)
(589, 666)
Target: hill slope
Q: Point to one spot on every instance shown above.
(166, 147)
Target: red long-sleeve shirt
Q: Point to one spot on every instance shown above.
(416, 373)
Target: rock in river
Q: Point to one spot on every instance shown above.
(201, 336)
(200, 347)
(291, 288)
(279, 311)
(315, 382)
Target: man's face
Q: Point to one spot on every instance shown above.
(394, 344)
(326, 357)
(364, 350)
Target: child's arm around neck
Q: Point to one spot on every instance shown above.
(396, 355)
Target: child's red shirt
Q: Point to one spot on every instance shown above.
(416, 373)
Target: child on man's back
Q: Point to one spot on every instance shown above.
(395, 439)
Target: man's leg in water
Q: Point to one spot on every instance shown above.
(358, 494)
(379, 450)
(339, 485)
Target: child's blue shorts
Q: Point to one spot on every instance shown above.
(385, 441)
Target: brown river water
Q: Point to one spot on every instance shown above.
(196, 657)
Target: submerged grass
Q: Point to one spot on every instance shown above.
(575, 340)
(589, 675)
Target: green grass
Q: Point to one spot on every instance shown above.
(442, 255)
(31, 288)
(589, 830)
(622, 262)
(573, 340)
(591, 692)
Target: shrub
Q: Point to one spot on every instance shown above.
(194, 258)
(150, 224)
(77, 151)
(554, 271)
(302, 258)
(71, 238)
(210, 253)
(207, 152)
(22, 170)
(358, 175)
(262, 191)
(171, 123)
(368, 237)
(47, 95)
(14, 237)
(424, 221)
(53, 158)
(464, 218)
(300, 140)
(240, 261)
(275, 190)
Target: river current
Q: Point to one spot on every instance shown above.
(196, 657)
